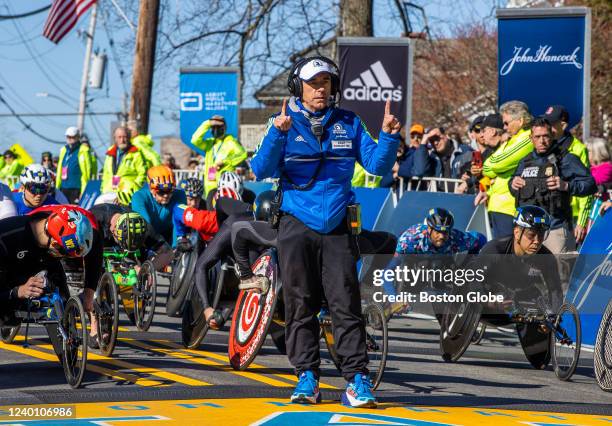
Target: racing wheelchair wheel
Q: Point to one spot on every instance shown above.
(7, 334)
(182, 275)
(566, 341)
(602, 358)
(106, 306)
(479, 333)
(145, 295)
(377, 341)
(254, 315)
(74, 341)
(458, 324)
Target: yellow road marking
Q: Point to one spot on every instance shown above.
(147, 370)
(46, 356)
(253, 366)
(201, 358)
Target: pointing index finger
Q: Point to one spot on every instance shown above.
(284, 108)
(388, 107)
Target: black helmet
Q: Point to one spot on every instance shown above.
(263, 205)
(440, 219)
(131, 231)
(532, 217)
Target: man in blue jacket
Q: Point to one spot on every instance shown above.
(312, 147)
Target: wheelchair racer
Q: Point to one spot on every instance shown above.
(520, 262)
(193, 216)
(36, 187)
(233, 181)
(437, 236)
(32, 243)
(155, 201)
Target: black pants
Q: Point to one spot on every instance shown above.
(72, 194)
(249, 237)
(312, 266)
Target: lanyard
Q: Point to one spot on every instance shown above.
(216, 153)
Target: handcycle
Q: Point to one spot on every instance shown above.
(543, 334)
(137, 291)
(66, 324)
(257, 315)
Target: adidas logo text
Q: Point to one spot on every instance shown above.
(373, 84)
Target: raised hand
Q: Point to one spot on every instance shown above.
(283, 121)
(390, 123)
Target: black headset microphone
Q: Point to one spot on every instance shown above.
(294, 82)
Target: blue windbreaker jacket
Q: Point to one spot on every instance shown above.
(296, 154)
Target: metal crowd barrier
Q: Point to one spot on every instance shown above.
(429, 184)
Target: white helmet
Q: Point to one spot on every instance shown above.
(230, 180)
(72, 131)
(35, 173)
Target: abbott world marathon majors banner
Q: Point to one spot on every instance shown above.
(205, 92)
(372, 71)
(544, 59)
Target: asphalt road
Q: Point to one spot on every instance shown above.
(154, 366)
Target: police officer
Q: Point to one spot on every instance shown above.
(312, 147)
(548, 178)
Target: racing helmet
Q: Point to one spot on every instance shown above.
(440, 219)
(70, 233)
(131, 231)
(36, 179)
(231, 180)
(224, 192)
(193, 187)
(263, 205)
(161, 178)
(532, 217)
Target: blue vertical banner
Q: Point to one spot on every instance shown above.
(205, 92)
(544, 59)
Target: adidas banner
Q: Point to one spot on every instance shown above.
(373, 71)
(543, 59)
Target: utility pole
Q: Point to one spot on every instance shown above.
(85, 76)
(144, 61)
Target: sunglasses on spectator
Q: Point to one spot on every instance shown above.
(37, 188)
(415, 135)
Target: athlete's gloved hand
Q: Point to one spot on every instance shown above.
(183, 244)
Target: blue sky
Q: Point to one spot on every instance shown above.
(30, 65)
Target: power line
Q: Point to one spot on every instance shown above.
(26, 125)
(24, 15)
(58, 114)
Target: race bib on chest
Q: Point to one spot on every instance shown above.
(342, 144)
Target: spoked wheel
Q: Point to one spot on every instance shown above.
(377, 341)
(107, 308)
(566, 341)
(7, 334)
(479, 333)
(74, 324)
(602, 358)
(182, 276)
(145, 295)
(457, 326)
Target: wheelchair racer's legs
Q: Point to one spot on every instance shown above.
(245, 236)
(209, 257)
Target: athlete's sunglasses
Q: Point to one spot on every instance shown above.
(37, 188)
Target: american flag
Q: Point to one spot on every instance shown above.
(63, 17)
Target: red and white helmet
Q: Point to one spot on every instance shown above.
(227, 193)
(230, 180)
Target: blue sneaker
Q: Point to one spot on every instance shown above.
(359, 393)
(307, 389)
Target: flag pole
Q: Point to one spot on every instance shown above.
(87, 61)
